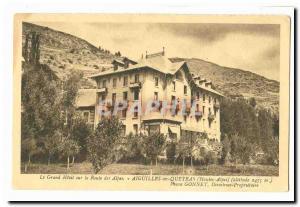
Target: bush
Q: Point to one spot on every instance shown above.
(133, 151)
(154, 145)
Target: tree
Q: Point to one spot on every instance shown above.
(252, 102)
(69, 148)
(134, 147)
(52, 144)
(104, 143)
(80, 131)
(29, 148)
(241, 150)
(225, 148)
(182, 150)
(70, 89)
(154, 144)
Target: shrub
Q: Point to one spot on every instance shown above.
(154, 145)
(69, 148)
(104, 144)
(171, 151)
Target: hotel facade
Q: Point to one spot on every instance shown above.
(152, 95)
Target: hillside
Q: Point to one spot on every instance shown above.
(235, 82)
(65, 53)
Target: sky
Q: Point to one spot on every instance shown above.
(251, 47)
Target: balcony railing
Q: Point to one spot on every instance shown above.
(102, 90)
(217, 105)
(135, 85)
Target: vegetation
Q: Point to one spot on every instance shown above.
(154, 145)
(49, 121)
(103, 144)
(248, 130)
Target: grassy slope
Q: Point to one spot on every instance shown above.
(65, 53)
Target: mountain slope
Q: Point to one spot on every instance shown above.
(65, 53)
(236, 82)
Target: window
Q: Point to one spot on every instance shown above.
(125, 81)
(184, 118)
(135, 129)
(124, 113)
(153, 129)
(173, 104)
(155, 96)
(136, 95)
(114, 82)
(86, 116)
(209, 99)
(136, 78)
(209, 112)
(125, 96)
(104, 84)
(103, 97)
(113, 99)
(203, 110)
(173, 99)
(174, 85)
(115, 67)
(136, 113)
(203, 96)
(156, 81)
(197, 107)
(185, 90)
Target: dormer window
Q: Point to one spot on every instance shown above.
(126, 65)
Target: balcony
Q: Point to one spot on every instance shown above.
(217, 106)
(198, 114)
(135, 85)
(211, 117)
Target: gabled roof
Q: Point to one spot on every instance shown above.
(117, 61)
(209, 90)
(158, 63)
(86, 98)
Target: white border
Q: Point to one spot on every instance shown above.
(119, 6)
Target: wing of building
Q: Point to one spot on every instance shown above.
(156, 82)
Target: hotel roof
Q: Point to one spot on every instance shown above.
(156, 62)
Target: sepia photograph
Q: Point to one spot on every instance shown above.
(150, 98)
